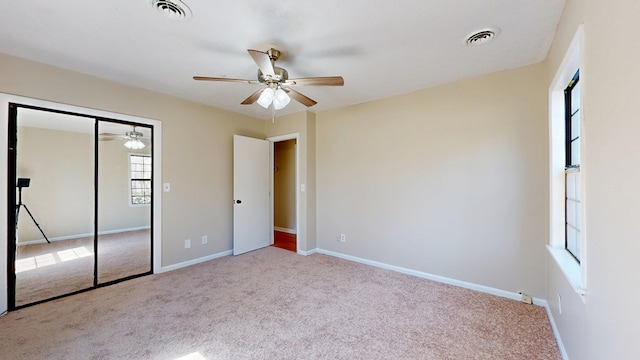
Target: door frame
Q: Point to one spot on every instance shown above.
(5, 99)
(272, 140)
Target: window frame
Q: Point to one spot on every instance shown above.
(572, 169)
(568, 117)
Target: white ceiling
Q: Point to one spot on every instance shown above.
(381, 48)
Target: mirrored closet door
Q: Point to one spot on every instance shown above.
(83, 203)
(54, 205)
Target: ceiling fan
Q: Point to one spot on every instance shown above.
(133, 139)
(276, 79)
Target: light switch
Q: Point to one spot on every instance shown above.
(302, 187)
(166, 187)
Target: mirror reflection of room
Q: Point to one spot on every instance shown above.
(55, 152)
(55, 239)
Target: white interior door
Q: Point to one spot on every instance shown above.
(250, 194)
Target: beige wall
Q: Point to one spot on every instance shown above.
(311, 176)
(196, 154)
(284, 184)
(450, 181)
(605, 325)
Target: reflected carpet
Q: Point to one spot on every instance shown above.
(61, 267)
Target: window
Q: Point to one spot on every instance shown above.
(140, 176)
(572, 166)
(568, 244)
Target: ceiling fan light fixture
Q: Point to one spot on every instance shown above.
(266, 98)
(281, 99)
(134, 144)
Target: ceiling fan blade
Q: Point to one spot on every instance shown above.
(303, 99)
(317, 81)
(253, 97)
(208, 78)
(263, 61)
(109, 136)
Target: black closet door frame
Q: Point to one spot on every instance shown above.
(11, 196)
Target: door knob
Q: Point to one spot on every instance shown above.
(238, 201)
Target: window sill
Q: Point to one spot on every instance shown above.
(569, 267)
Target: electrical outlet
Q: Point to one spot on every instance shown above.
(187, 244)
(559, 305)
(343, 238)
(205, 240)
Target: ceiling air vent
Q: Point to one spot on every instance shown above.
(173, 9)
(481, 37)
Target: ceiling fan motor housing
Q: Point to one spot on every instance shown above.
(274, 54)
(281, 75)
(133, 134)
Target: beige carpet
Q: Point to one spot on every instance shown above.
(47, 270)
(275, 304)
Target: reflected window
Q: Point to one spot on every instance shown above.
(140, 176)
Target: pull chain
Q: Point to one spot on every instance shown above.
(273, 114)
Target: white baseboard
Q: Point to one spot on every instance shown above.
(78, 236)
(306, 253)
(556, 332)
(194, 261)
(438, 278)
(284, 230)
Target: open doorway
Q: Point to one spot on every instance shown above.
(285, 194)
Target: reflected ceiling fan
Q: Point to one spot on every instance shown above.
(133, 139)
(276, 79)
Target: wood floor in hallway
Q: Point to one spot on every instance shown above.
(285, 240)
